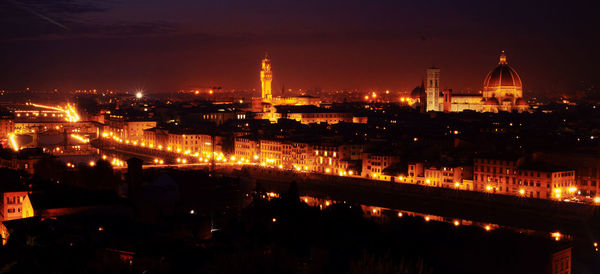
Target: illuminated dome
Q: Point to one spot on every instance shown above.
(503, 81)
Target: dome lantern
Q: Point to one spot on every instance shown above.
(502, 59)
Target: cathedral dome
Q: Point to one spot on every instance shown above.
(502, 75)
(502, 81)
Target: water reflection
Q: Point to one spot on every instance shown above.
(382, 215)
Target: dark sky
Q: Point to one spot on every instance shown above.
(168, 45)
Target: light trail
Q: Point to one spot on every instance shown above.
(13, 142)
(70, 111)
(80, 138)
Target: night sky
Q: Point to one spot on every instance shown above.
(337, 44)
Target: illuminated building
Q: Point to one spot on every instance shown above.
(246, 148)
(520, 178)
(502, 91)
(496, 175)
(182, 141)
(300, 155)
(586, 165)
(442, 175)
(189, 142)
(266, 103)
(15, 205)
(452, 102)
(128, 129)
(221, 116)
(450, 176)
(296, 155)
(271, 152)
(416, 174)
(432, 89)
(373, 164)
(332, 159)
(216, 112)
(266, 77)
(286, 154)
(7, 126)
(312, 114)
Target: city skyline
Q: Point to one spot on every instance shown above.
(342, 136)
(159, 48)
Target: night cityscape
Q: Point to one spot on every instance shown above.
(299, 137)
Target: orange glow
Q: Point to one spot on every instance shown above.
(80, 138)
(556, 236)
(13, 142)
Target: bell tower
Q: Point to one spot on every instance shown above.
(432, 89)
(266, 77)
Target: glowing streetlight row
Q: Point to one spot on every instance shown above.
(220, 157)
(205, 157)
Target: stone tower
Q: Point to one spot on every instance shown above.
(432, 89)
(266, 77)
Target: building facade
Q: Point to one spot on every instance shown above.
(512, 177)
(15, 205)
(373, 165)
(7, 126)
